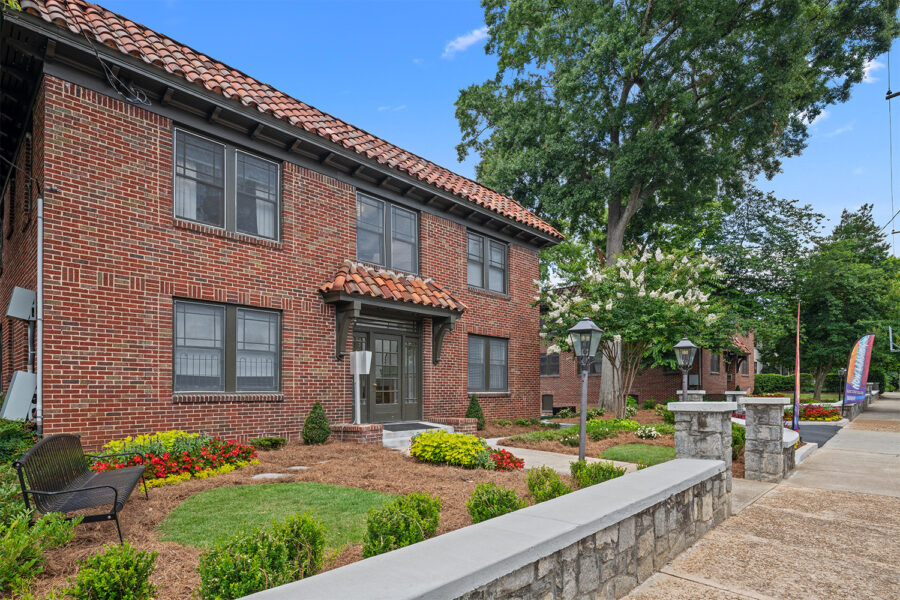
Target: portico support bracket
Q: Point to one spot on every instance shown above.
(440, 327)
(345, 315)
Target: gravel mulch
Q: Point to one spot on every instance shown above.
(362, 466)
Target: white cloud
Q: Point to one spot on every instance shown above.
(401, 107)
(818, 118)
(858, 171)
(417, 61)
(464, 41)
(870, 67)
(383, 108)
(840, 130)
(391, 108)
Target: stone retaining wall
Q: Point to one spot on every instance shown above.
(599, 542)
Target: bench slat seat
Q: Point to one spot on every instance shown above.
(56, 474)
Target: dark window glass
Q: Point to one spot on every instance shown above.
(257, 196)
(549, 364)
(258, 336)
(595, 368)
(486, 263)
(199, 347)
(714, 363)
(386, 235)
(487, 364)
(199, 179)
(412, 371)
(745, 366)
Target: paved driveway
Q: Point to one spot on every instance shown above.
(830, 531)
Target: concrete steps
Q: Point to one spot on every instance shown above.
(401, 440)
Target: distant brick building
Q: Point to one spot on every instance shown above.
(209, 258)
(714, 373)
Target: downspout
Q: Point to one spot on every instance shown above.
(39, 317)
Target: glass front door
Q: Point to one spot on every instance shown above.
(392, 390)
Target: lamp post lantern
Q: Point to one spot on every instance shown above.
(584, 338)
(685, 350)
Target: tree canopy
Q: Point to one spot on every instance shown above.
(601, 111)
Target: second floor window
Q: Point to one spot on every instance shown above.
(714, 363)
(487, 263)
(386, 235)
(218, 185)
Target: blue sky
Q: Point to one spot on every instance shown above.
(395, 68)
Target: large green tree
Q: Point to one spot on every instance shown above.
(846, 288)
(606, 114)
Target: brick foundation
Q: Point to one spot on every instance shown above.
(365, 433)
(459, 424)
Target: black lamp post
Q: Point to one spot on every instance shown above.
(843, 384)
(685, 350)
(584, 339)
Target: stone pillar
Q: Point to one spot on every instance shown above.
(736, 396)
(703, 430)
(763, 454)
(692, 395)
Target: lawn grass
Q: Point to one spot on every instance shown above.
(640, 453)
(220, 512)
(807, 397)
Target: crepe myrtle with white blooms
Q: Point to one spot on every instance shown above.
(644, 303)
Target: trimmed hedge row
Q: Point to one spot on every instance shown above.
(771, 383)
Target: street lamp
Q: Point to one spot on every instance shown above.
(843, 383)
(584, 339)
(685, 350)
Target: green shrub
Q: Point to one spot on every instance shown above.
(407, 520)
(117, 573)
(483, 460)
(667, 415)
(262, 558)
(570, 437)
(474, 411)
(23, 544)
(16, 437)
(551, 425)
(615, 424)
(11, 504)
(630, 411)
(527, 422)
(595, 413)
(665, 428)
(316, 429)
(442, 447)
(565, 413)
(770, 383)
(600, 433)
(648, 405)
(545, 484)
(268, 443)
(587, 474)
(738, 440)
(631, 401)
(503, 422)
(490, 500)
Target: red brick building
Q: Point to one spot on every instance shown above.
(711, 372)
(210, 248)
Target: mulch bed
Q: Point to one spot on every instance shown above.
(362, 466)
(592, 448)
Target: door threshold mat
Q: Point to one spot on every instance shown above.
(407, 426)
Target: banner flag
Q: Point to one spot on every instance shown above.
(858, 370)
(795, 422)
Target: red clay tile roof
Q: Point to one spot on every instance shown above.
(134, 39)
(363, 280)
(743, 345)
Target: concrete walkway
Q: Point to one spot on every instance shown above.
(831, 530)
(558, 462)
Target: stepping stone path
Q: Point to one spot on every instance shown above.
(269, 476)
(297, 468)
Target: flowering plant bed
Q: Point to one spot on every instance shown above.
(506, 461)
(171, 457)
(815, 413)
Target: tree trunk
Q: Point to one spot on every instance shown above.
(611, 397)
(821, 374)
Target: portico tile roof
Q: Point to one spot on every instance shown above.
(371, 282)
(136, 40)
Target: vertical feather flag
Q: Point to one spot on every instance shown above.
(796, 421)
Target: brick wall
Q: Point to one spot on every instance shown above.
(653, 384)
(115, 258)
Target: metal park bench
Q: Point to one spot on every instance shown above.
(60, 480)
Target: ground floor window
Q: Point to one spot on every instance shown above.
(226, 348)
(488, 364)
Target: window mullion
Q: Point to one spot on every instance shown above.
(230, 348)
(487, 364)
(230, 192)
(388, 237)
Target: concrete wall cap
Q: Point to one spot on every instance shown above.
(735, 393)
(450, 565)
(789, 438)
(756, 400)
(692, 392)
(702, 406)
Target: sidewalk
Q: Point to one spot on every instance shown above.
(831, 530)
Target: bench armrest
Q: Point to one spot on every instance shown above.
(75, 491)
